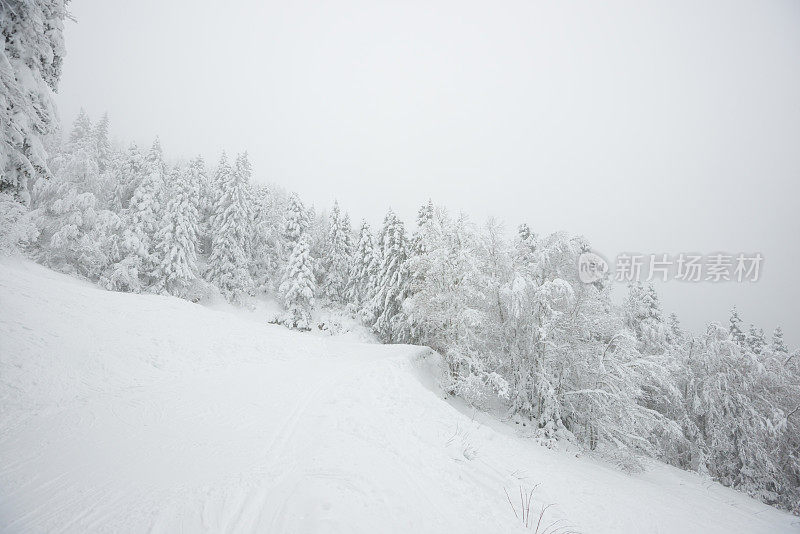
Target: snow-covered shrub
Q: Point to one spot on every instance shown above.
(17, 226)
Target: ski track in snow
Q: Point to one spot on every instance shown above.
(141, 413)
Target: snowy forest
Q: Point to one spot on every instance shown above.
(503, 305)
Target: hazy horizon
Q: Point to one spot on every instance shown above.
(658, 128)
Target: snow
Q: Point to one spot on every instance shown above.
(130, 413)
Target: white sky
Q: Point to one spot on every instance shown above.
(646, 126)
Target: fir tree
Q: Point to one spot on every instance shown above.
(30, 67)
(297, 221)
(756, 340)
(424, 217)
(102, 143)
(228, 265)
(66, 208)
(129, 175)
(145, 213)
(363, 269)
(393, 280)
(643, 315)
(175, 242)
(265, 259)
(298, 287)
(735, 328)
(778, 344)
(337, 256)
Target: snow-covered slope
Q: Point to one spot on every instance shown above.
(132, 413)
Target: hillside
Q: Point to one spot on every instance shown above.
(132, 413)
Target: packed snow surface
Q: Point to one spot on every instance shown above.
(142, 413)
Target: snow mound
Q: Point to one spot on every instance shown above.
(131, 413)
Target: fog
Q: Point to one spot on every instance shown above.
(657, 127)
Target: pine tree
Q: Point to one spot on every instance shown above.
(144, 215)
(735, 328)
(228, 265)
(336, 260)
(298, 287)
(393, 281)
(266, 246)
(175, 241)
(30, 67)
(82, 129)
(424, 217)
(208, 192)
(778, 344)
(756, 340)
(129, 175)
(297, 221)
(103, 144)
(363, 269)
(675, 334)
(66, 208)
(644, 317)
(526, 245)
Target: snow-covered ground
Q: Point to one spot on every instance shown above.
(133, 413)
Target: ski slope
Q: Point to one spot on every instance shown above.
(142, 413)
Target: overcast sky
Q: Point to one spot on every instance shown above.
(658, 127)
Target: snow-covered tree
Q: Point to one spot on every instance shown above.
(296, 221)
(336, 261)
(17, 226)
(66, 208)
(674, 333)
(778, 344)
(644, 316)
(735, 327)
(298, 287)
(176, 239)
(363, 273)
(424, 217)
(30, 67)
(756, 340)
(129, 173)
(266, 239)
(390, 322)
(103, 144)
(447, 302)
(144, 215)
(68, 231)
(228, 263)
(735, 407)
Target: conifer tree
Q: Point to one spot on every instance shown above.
(265, 260)
(424, 217)
(393, 280)
(756, 340)
(363, 269)
(298, 287)
(144, 215)
(336, 260)
(644, 317)
(66, 208)
(297, 221)
(735, 328)
(175, 241)
(30, 67)
(228, 265)
(102, 142)
(129, 175)
(778, 344)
